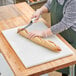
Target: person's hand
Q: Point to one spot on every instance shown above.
(33, 34)
(44, 33)
(36, 15)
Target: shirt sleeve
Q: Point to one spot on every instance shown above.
(68, 19)
(47, 4)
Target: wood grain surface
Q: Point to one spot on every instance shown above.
(25, 12)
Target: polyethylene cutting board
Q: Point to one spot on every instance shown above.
(30, 53)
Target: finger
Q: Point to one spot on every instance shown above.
(28, 36)
(32, 17)
(35, 21)
(31, 35)
(34, 35)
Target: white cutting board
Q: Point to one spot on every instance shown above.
(30, 53)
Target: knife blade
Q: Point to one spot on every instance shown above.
(26, 26)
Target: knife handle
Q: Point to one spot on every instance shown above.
(33, 20)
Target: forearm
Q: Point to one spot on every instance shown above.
(61, 26)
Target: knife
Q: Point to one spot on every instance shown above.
(27, 25)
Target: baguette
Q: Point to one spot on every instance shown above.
(45, 43)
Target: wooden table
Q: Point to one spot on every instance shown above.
(17, 15)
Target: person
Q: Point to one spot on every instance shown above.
(6, 2)
(63, 22)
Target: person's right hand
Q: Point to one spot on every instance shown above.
(37, 14)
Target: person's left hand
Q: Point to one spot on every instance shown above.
(33, 34)
(44, 33)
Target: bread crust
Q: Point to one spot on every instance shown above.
(38, 40)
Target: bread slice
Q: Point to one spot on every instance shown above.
(45, 43)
